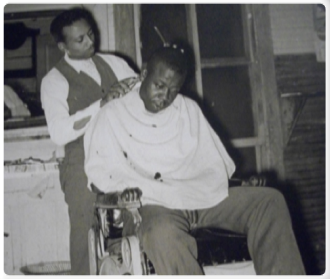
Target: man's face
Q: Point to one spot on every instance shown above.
(79, 40)
(159, 87)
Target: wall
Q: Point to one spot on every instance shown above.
(293, 38)
(294, 30)
(36, 222)
(103, 16)
(117, 34)
(300, 75)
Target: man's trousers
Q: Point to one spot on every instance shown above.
(261, 213)
(80, 202)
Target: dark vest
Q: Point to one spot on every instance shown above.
(83, 91)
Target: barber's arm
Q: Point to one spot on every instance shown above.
(62, 126)
(119, 89)
(126, 77)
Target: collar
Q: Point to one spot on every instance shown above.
(79, 65)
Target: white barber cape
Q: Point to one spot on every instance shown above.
(173, 156)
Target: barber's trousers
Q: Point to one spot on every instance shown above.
(81, 211)
(261, 213)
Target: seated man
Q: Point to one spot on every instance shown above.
(158, 140)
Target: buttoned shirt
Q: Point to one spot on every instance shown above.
(54, 94)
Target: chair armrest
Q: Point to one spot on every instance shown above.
(117, 200)
(129, 198)
(254, 181)
(114, 201)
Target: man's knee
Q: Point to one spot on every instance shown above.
(158, 233)
(275, 196)
(274, 203)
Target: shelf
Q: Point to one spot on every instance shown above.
(13, 123)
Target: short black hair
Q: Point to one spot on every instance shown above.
(172, 56)
(67, 18)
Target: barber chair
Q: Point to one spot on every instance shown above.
(220, 252)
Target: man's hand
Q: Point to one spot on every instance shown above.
(131, 195)
(119, 89)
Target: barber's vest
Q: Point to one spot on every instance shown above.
(83, 91)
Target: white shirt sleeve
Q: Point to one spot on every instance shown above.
(54, 94)
(14, 103)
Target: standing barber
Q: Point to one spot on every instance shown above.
(71, 94)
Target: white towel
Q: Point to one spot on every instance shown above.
(14, 103)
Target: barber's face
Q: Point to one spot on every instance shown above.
(159, 87)
(79, 40)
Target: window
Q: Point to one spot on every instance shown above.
(29, 53)
(219, 36)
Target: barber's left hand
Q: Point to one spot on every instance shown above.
(119, 89)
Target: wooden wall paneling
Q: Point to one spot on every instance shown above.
(305, 164)
(48, 54)
(194, 41)
(301, 83)
(36, 220)
(125, 31)
(103, 14)
(299, 74)
(137, 20)
(247, 21)
(264, 93)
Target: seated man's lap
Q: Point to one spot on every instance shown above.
(233, 213)
(242, 203)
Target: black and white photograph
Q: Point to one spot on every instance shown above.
(164, 138)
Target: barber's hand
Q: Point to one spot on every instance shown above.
(131, 195)
(119, 89)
